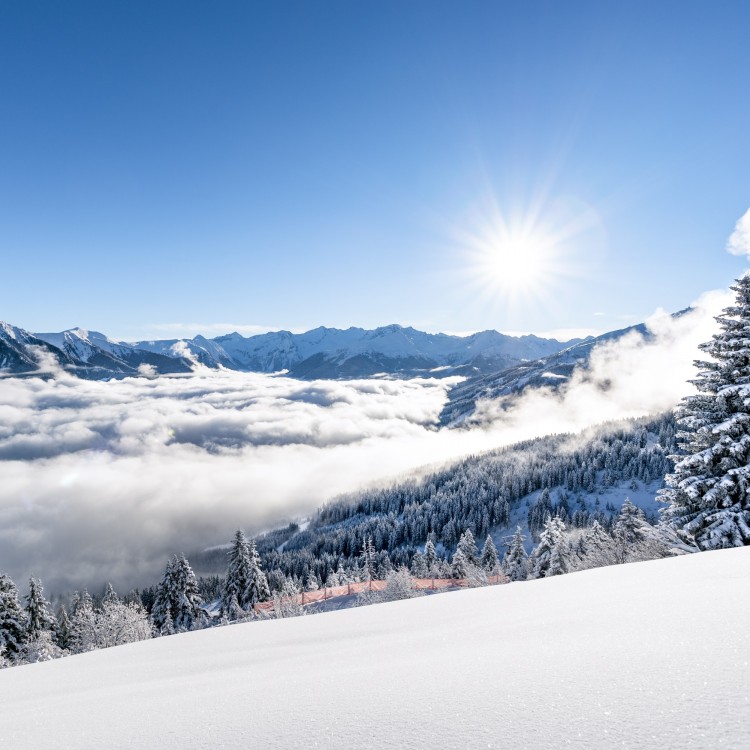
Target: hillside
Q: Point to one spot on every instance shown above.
(638, 656)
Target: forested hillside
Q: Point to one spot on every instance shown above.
(578, 478)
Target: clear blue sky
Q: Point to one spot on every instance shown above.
(297, 164)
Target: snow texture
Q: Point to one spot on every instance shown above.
(614, 657)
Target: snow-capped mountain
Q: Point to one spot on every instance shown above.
(87, 354)
(550, 371)
(319, 353)
(21, 351)
(355, 352)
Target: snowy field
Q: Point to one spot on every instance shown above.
(649, 655)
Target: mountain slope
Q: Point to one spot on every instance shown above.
(86, 354)
(640, 656)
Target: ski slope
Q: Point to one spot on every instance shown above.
(649, 655)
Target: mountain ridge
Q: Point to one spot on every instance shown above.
(327, 353)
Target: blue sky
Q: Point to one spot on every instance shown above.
(170, 168)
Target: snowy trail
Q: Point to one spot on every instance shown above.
(650, 655)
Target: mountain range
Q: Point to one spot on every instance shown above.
(320, 353)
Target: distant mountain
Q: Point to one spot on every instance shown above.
(319, 353)
(550, 371)
(357, 352)
(86, 354)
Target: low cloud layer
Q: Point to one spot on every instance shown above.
(105, 480)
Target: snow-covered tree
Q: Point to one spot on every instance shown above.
(515, 562)
(238, 574)
(38, 616)
(459, 565)
(312, 583)
(399, 585)
(83, 636)
(40, 647)
(62, 628)
(490, 560)
(177, 597)
(430, 557)
(549, 557)
(118, 623)
(12, 619)
(596, 548)
(468, 547)
(257, 585)
(187, 605)
(367, 560)
(419, 566)
(286, 602)
(708, 492)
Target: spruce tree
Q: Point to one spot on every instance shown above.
(515, 562)
(186, 608)
(459, 565)
(489, 556)
(12, 619)
(62, 629)
(368, 560)
(468, 547)
(238, 574)
(418, 566)
(83, 626)
(38, 616)
(161, 609)
(430, 557)
(257, 589)
(549, 558)
(708, 492)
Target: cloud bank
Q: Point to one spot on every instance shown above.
(104, 480)
(739, 240)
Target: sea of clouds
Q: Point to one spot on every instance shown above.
(104, 480)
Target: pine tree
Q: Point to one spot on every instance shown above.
(418, 566)
(257, 589)
(38, 616)
(238, 574)
(548, 558)
(12, 619)
(367, 559)
(62, 629)
(177, 597)
(708, 492)
(110, 595)
(430, 557)
(186, 608)
(161, 609)
(468, 547)
(489, 556)
(515, 562)
(83, 628)
(459, 565)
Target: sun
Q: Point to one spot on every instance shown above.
(517, 259)
(523, 257)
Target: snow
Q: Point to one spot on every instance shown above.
(637, 656)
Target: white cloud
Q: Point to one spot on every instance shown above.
(739, 241)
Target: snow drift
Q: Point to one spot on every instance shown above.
(638, 656)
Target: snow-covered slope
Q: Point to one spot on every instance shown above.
(648, 655)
